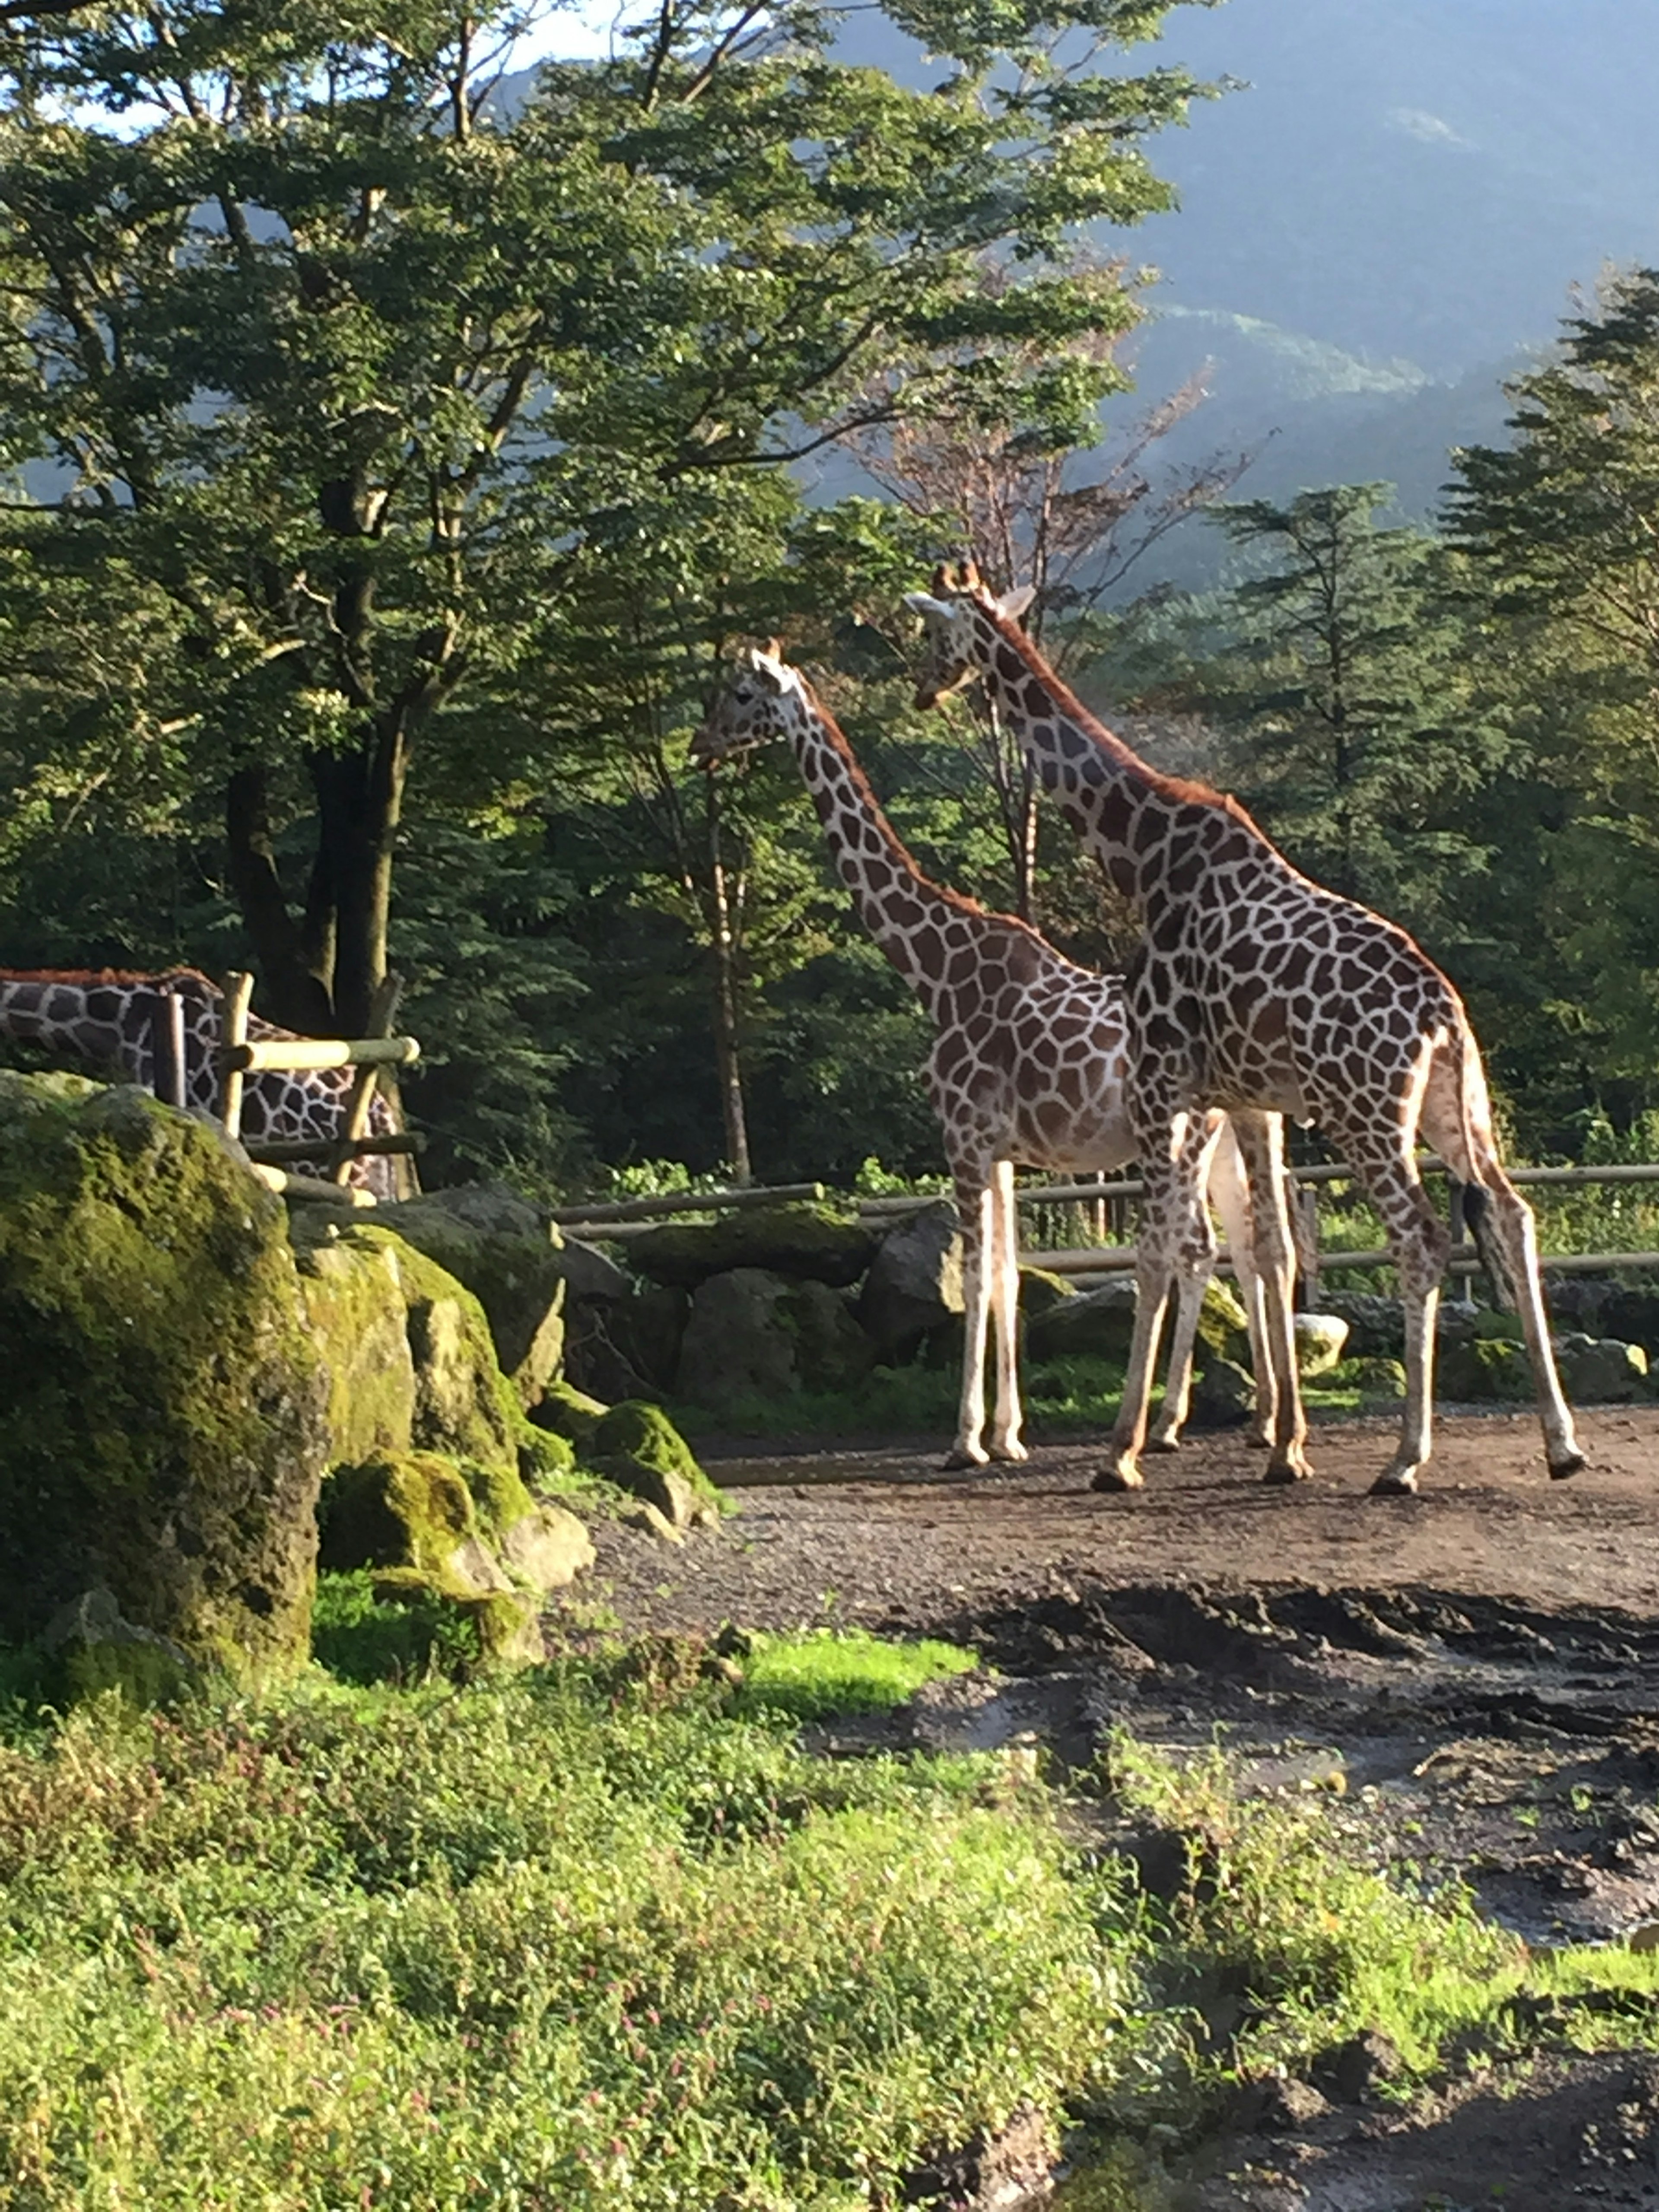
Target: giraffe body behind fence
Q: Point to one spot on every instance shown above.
(1256, 987)
(110, 1022)
(1027, 1068)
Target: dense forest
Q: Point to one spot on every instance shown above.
(394, 450)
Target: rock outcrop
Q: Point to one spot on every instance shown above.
(164, 1401)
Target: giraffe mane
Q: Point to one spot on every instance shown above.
(1180, 791)
(107, 975)
(960, 899)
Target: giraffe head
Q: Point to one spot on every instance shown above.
(754, 706)
(952, 638)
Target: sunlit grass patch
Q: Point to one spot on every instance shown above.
(847, 1670)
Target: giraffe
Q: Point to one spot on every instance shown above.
(1027, 1064)
(107, 1020)
(1254, 986)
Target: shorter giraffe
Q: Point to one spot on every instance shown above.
(108, 1022)
(1028, 1066)
(1256, 987)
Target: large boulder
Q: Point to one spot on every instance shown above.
(164, 1404)
(637, 1447)
(422, 1519)
(627, 1347)
(1099, 1324)
(807, 1243)
(914, 1283)
(442, 1388)
(757, 1335)
(1600, 1371)
(510, 1256)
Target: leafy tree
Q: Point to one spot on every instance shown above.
(1560, 528)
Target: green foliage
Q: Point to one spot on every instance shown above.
(1281, 1916)
(842, 1670)
(572, 1939)
(366, 1639)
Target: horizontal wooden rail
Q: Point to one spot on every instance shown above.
(1332, 1171)
(296, 1056)
(1119, 1259)
(278, 1150)
(302, 1186)
(690, 1201)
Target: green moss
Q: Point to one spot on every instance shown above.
(565, 1411)
(355, 1303)
(517, 1279)
(165, 1415)
(636, 1431)
(1039, 1290)
(819, 1243)
(413, 1511)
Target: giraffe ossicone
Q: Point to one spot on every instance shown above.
(1027, 1064)
(1257, 988)
(107, 1020)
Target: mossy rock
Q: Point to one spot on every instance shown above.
(1040, 1290)
(1373, 1376)
(415, 1511)
(363, 1283)
(91, 1650)
(568, 1414)
(166, 1403)
(637, 1447)
(500, 1628)
(1479, 1369)
(465, 1531)
(507, 1253)
(756, 1335)
(1099, 1324)
(810, 1243)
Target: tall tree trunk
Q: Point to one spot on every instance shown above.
(728, 1059)
(320, 972)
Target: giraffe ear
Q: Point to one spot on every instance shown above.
(1013, 604)
(968, 573)
(919, 603)
(773, 648)
(941, 578)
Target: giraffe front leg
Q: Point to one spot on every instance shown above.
(975, 1203)
(1003, 1262)
(1419, 1245)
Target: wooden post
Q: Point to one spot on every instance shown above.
(382, 1010)
(238, 990)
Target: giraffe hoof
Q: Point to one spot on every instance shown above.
(1560, 1471)
(1119, 1477)
(1170, 1444)
(1394, 1483)
(1285, 1470)
(963, 1462)
(1258, 1440)
(1013, 1454)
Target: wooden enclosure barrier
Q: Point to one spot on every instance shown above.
(240, 1058)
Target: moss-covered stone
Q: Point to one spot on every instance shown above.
(165, 1408)
(445, 1392)
(415, 1511)
(508, 1254)
(568, 1414)
(1039, 1290)
(817, 1244)
(636, 1446)
(461, 1531)
(1476, 1368)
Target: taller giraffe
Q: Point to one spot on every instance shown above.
(1254, 987)
(107, 1021)
(1028, 1066)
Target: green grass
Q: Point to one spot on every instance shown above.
(605, 1935)
(1303, 1947)
(828, 1670)
(579, 1939)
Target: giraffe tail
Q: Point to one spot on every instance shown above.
(1477, 1216)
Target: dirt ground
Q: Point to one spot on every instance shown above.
(1472, 1674)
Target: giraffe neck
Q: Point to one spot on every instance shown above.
(1134, 819)
(906, 915)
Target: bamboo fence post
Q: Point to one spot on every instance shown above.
(168, 1031)
(382, 1010)
(233, 1039)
